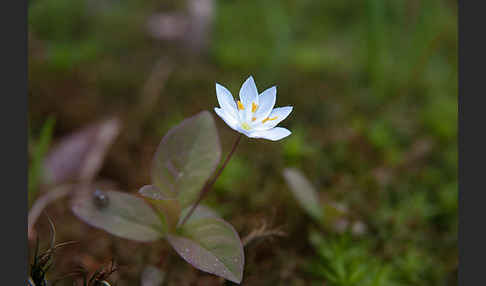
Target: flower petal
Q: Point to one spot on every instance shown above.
(230, 121)
(248, 92)
(276, 116)
(248, 95)
(267, 102)
(226, 101)
(273, 134)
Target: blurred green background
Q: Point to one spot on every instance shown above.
(374, 89)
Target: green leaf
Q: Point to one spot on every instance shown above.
(185, 159)
(212, 245)
(199, 213)
(120, 214)
(304, 192)
(169, 207)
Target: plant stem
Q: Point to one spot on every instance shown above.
(210, 183)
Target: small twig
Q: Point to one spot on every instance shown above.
(53, 230)
(260, 233)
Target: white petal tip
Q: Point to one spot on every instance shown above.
(251, 81)
(273, 134)
(280, 138)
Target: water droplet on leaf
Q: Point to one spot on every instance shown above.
(100, 199)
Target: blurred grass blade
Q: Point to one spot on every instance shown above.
(39, 151)
(304, 192)
(211, 245)
(185, 159)
(120, 214)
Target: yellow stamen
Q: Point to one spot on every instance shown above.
(240, 105)
(269, 119)
(253, 118)
(254, 107)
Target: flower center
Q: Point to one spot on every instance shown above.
(245, 126)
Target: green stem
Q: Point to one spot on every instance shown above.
(210, 183)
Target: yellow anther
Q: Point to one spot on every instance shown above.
(240, 105)
(253, 118)
(269, 119)
(254, 107)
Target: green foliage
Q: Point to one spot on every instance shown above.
(414, 266)
(39, 149)
(441, 118)
(237, 171)
(347, 261)
(370, 80)
(186, 158)
(267, 25)
(211, 245)
(65, 56)
(385, 138)
(296, 148)
(65, 26)
(59, 20)
(343, 261)
(184, 161)
(78, 32)
(120, 214)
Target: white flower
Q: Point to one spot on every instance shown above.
(253, 115)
